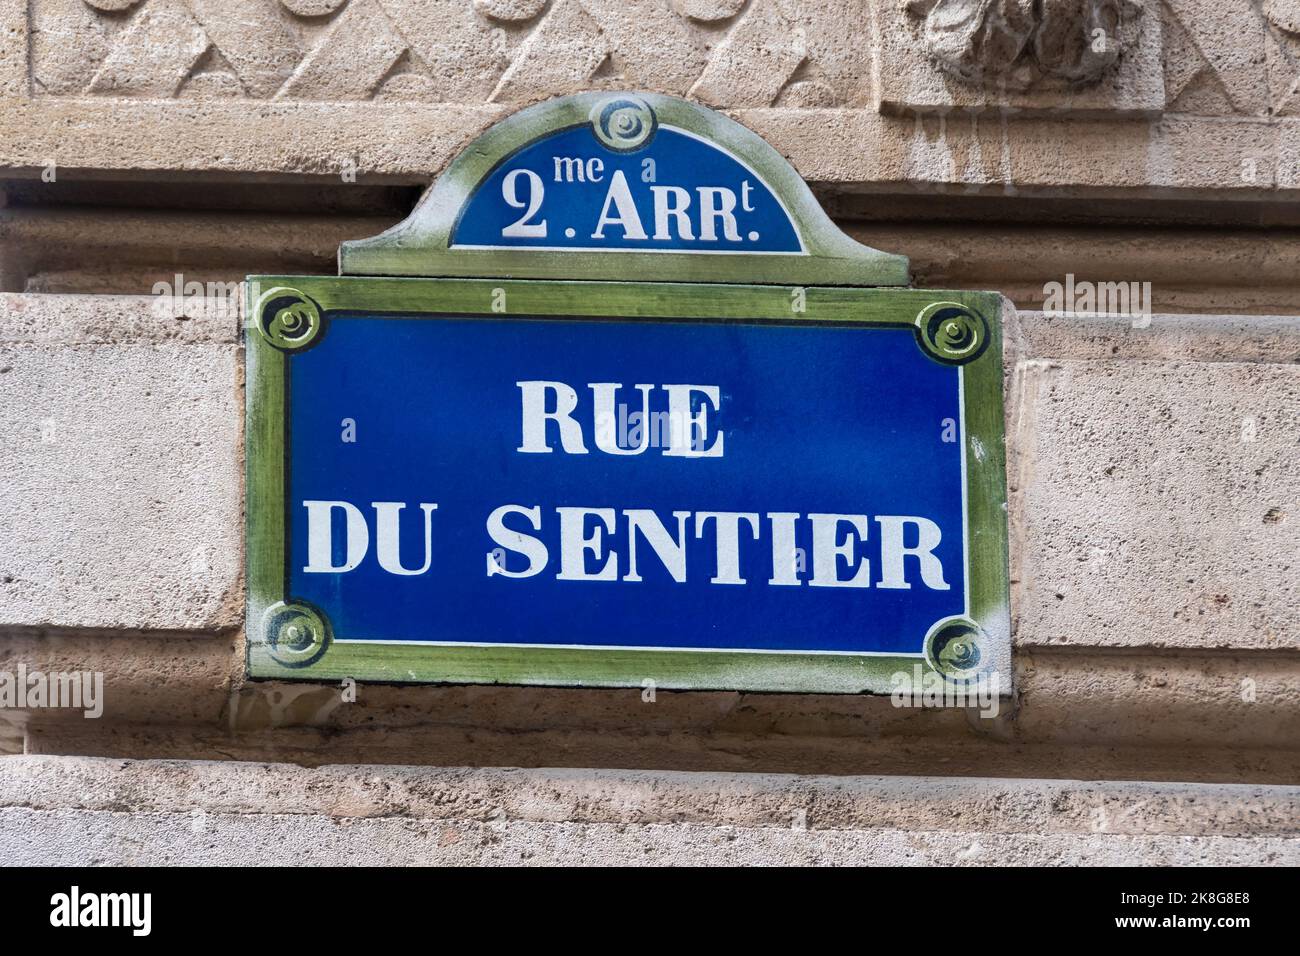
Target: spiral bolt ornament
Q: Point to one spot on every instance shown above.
(954, 647)
(623, 123)
(952, 333)
(289, 319)
(296, 633)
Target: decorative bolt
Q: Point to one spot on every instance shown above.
(289, 320)
(623, 123)
(953, 647)
(295, 633)
(951, 333)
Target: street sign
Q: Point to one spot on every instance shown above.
(618, 405)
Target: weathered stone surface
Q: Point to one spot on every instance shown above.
(755, 61)
(1154, 503)
(1042, 154)
(1153, 469)
(129, 253)
(240, 813)
(1179, 715)
(124, 252)
(1166, 703)
(1258, 339)
(80, 838)
(1254, 274)
(392, 87)
(123, 470)
(49, 321)
(455, 50)
(646, 797)
(1069, 55)
(1159, 567)
(1063, 56)
(1225, 46)
(455, 54)
(851, 148)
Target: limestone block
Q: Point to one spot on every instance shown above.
(1125, 713)
(1237, 270)
(1249, 154)
(440, 50)
(646, 797)
(1154, 503)
(1270, 340)
(388, 141)
(122, 475)
(71, 811)
(1237, 710)
(80, 838)
(130, 252)
(69, 40)
(1045, 154)
(753, 63)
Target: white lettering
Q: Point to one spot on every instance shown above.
(531, 548)
(388, 546)
(620, 196)
(827, 551)
(320, 537)
(893, 552)
(535, 417)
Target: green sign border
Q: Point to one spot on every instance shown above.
(290, 640)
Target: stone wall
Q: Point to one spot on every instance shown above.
(1153, 467)
(73, 812)
(1187, 94)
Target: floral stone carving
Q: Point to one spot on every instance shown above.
(1024, 44)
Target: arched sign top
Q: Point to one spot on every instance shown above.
(617, 186)
(554, 194)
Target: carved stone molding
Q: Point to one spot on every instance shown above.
(1204, 96)
(1125, 57)
(1283, 14)
(730, 53)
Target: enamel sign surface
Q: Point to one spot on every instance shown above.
(552, 454)
(671, 191)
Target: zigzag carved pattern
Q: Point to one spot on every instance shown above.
(734, 53)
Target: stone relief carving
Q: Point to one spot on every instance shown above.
(1140, 57)
(1232, 58)
(1023, 44)
(1283, 14)
(733, 53)
(1282, 55)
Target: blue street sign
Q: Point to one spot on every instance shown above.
(614, 484)
(674, 192)
(629, 422)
